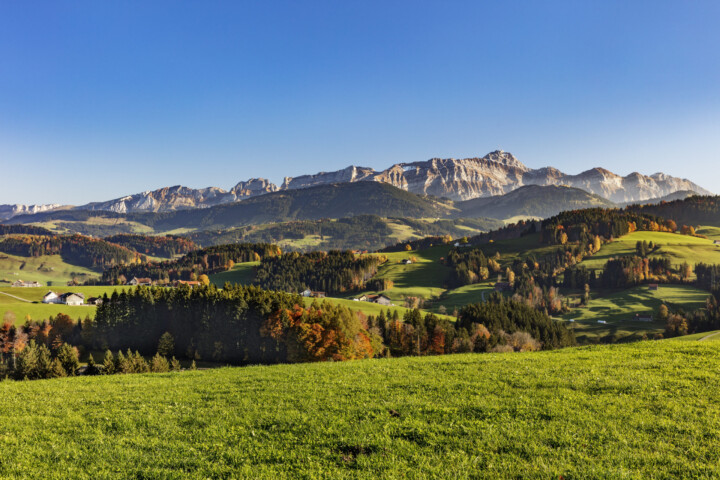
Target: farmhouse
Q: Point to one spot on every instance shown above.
(22, 284)
(69, 298)
(190, 283)
(73, 299)
(643, 317)
(306, 293)
(94, 301)
(653, 286)
(379, 299)
(717, 242)
(50, 297)
(140, 281)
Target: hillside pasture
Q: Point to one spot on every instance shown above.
(367, 308)
(678, 248)
(713, 233)
(424, 278)
(467, 294)
(30, 302)
(240, 273)
(46, 269)
(638, 411)
(619, 308)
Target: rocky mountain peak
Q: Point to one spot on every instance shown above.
(497, 173)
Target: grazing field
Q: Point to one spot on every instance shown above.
(678, 248)
(459, 297)
(712, 233)
(424, 278)
(640, 411)
(29, 302)
(46, 269)
(241, 273)
(618, 309)
(369, 308)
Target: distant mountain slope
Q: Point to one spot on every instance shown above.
(9, 211)
(325, 201)
(531, 201)
(496, 173)
(679, 195)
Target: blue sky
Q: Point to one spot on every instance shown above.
(103, 99)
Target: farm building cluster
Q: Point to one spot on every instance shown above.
(21, 284)
(70, 298)
(379, 299)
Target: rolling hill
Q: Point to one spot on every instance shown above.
(532, 201)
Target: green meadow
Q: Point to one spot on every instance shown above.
(29, 302)
(241, 273)
(646, 410)
(678, 248)
(46, 269)
(618, 308)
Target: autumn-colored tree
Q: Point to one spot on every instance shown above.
(437, 341)
(204, 279)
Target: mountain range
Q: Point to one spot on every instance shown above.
(495, 174)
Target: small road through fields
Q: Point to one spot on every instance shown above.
(17, 298)
(708, 337)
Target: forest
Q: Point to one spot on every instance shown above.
(190, 266)
(75, 249)
(695, 210)
(161, 246)
(333, 272)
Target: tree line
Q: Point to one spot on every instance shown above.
(190, 266)
(79, 250)
(332, 272)
(161, 246)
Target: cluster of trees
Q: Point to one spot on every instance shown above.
(680, 323)
(204, 322)
(695, 210)
(496, 325)
(624, 272)
(470, 265)
(419, 244)
(192, 265)
(23, 230)
(74, 249)
(333, 272)
(708, 276)
(583, 225)
(40, 350)
(165, 246)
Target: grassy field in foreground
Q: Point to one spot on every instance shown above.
(618, 309)
(640, 411)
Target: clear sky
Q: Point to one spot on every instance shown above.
(100, 99)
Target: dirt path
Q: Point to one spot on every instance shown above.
(707, 337)
(17, 298)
